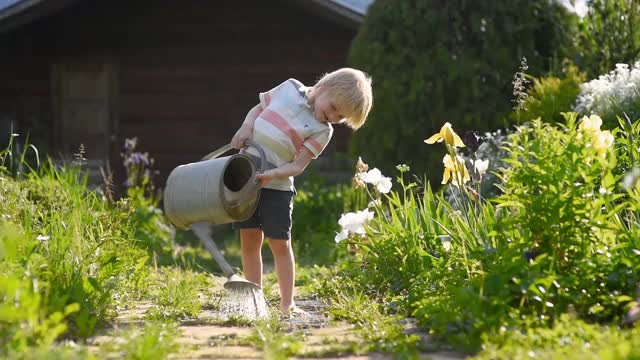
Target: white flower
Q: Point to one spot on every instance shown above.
(384, 185)
(93, 268)
(353, 223)
(612, 93)
(342, 235)
(631, 178)
(375, 178)
(446, 242)
(43, 237)
(370, 177)
(480, 166)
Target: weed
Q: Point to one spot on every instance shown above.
(176, 293)
(270, 336)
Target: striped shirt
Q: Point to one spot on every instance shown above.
(286, 125)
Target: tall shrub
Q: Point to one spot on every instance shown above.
(608, 35)
(434, 61)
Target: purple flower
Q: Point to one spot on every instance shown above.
(472, 140)
(137, 159)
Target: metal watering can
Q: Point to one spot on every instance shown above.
(218, 190)
(215, 191)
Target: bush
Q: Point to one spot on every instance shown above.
(433, 61)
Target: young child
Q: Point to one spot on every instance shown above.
(292, 124)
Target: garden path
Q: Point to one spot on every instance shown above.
(206, 337)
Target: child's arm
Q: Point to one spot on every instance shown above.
(293, 168)
(244, 132)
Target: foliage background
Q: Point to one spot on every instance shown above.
(437, 61)
(607, 35)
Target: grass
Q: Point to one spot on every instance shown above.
(176, 293)
(156, 340)
(271, 337)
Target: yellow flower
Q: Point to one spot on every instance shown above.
(455, 170)
(591, 123)
(448, 135)
(602, 141)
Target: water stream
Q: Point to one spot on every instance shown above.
(246, 302)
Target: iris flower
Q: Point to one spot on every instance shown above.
(455, 170)
(375, 178)
(591, 123)
(480, 166)
(601, 142)
(353, 223)
(448, 135)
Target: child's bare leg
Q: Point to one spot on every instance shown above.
(285, 270)
(250, 246)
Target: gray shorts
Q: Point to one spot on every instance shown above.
(273, 215)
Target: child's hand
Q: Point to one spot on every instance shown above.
(241, 135)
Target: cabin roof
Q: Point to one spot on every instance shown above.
(16, 13)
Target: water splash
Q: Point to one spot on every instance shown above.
(244, 299)
(245, 302)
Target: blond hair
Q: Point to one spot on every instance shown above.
(352, 88)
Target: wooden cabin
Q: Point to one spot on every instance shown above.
(178, 75)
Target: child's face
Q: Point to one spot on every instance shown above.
(327, 109)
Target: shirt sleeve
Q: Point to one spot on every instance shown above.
(317, 142)
(267, 97)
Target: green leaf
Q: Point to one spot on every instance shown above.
(624, 298)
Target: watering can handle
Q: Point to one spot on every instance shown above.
(247, 143)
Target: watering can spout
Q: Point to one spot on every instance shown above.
(234, 281)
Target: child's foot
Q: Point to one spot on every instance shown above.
(294, 311)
